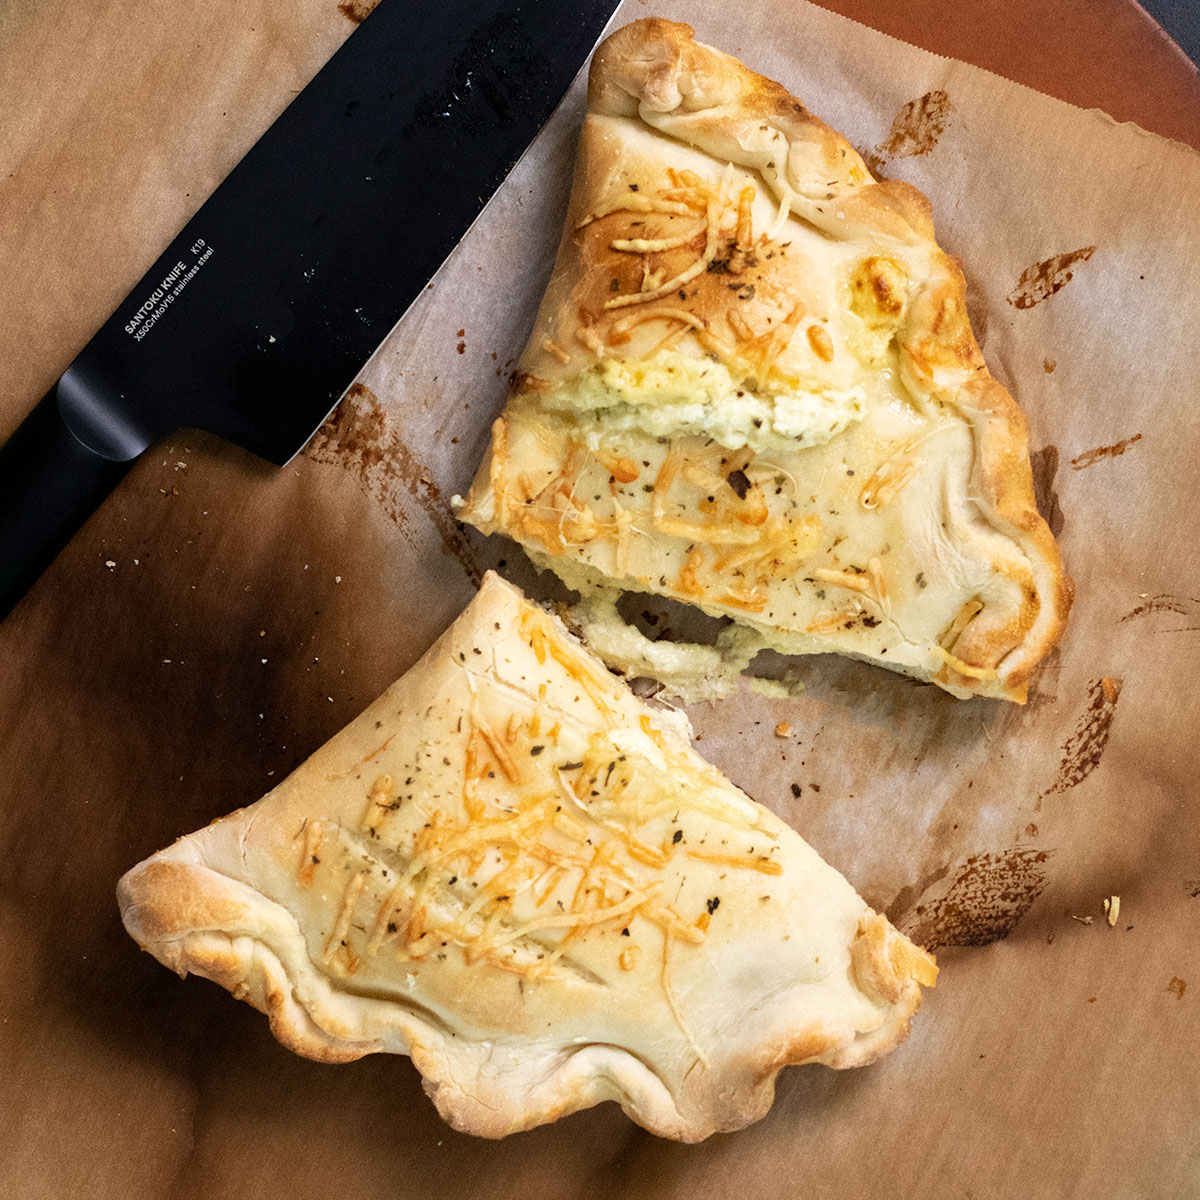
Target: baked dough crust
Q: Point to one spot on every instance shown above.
(738, 307)
(516, 872)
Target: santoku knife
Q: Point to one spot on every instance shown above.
(257, 317)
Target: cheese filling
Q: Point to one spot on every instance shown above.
(688, 671)
(672, 393)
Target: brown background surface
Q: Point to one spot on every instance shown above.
(135, 705)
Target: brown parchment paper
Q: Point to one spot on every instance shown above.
(217, 620)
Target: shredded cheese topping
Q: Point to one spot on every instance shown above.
(640, 203)
(965, 669)
(736, 544)
(965, 615)
(558, 835)
(711, 245)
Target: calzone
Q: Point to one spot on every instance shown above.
(516, 872)
(752, 386)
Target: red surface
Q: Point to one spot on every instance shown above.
(1107, 54)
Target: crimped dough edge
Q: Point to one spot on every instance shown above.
(182, 913)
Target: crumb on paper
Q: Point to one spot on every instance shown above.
(1081, 920)
(783, 729)
(1112, 906)
(110, 564)
(1178, 986)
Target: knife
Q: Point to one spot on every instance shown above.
(256, 319)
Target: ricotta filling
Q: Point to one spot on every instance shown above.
(672, 394)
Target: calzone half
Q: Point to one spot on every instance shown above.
(753, 387)
(515, 871)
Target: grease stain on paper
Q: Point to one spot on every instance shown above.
(358, 437)
(1088, 457)
(1045, 467)
(1082, 751)
(904, 900)
(1187, 607)
(357, 10)
(989, 896)
(1041, 693)
(1178, 986)
(1043, 279)
(915, 129)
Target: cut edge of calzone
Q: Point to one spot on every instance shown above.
(753, 387)
(516, 872)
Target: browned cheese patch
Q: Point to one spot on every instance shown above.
(358, 437)
(1089, 457)
(1043, 279)
(1083, 749)
(989, 896)
(916, 127)
(1045, 467)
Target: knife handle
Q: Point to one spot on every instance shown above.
(51, 481)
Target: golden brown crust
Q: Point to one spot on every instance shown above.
(161, 902)
(655, 258)
(516, 872)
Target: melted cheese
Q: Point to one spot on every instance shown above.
(674, 393)
(689, 671)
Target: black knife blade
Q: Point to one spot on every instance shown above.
(256, 318)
